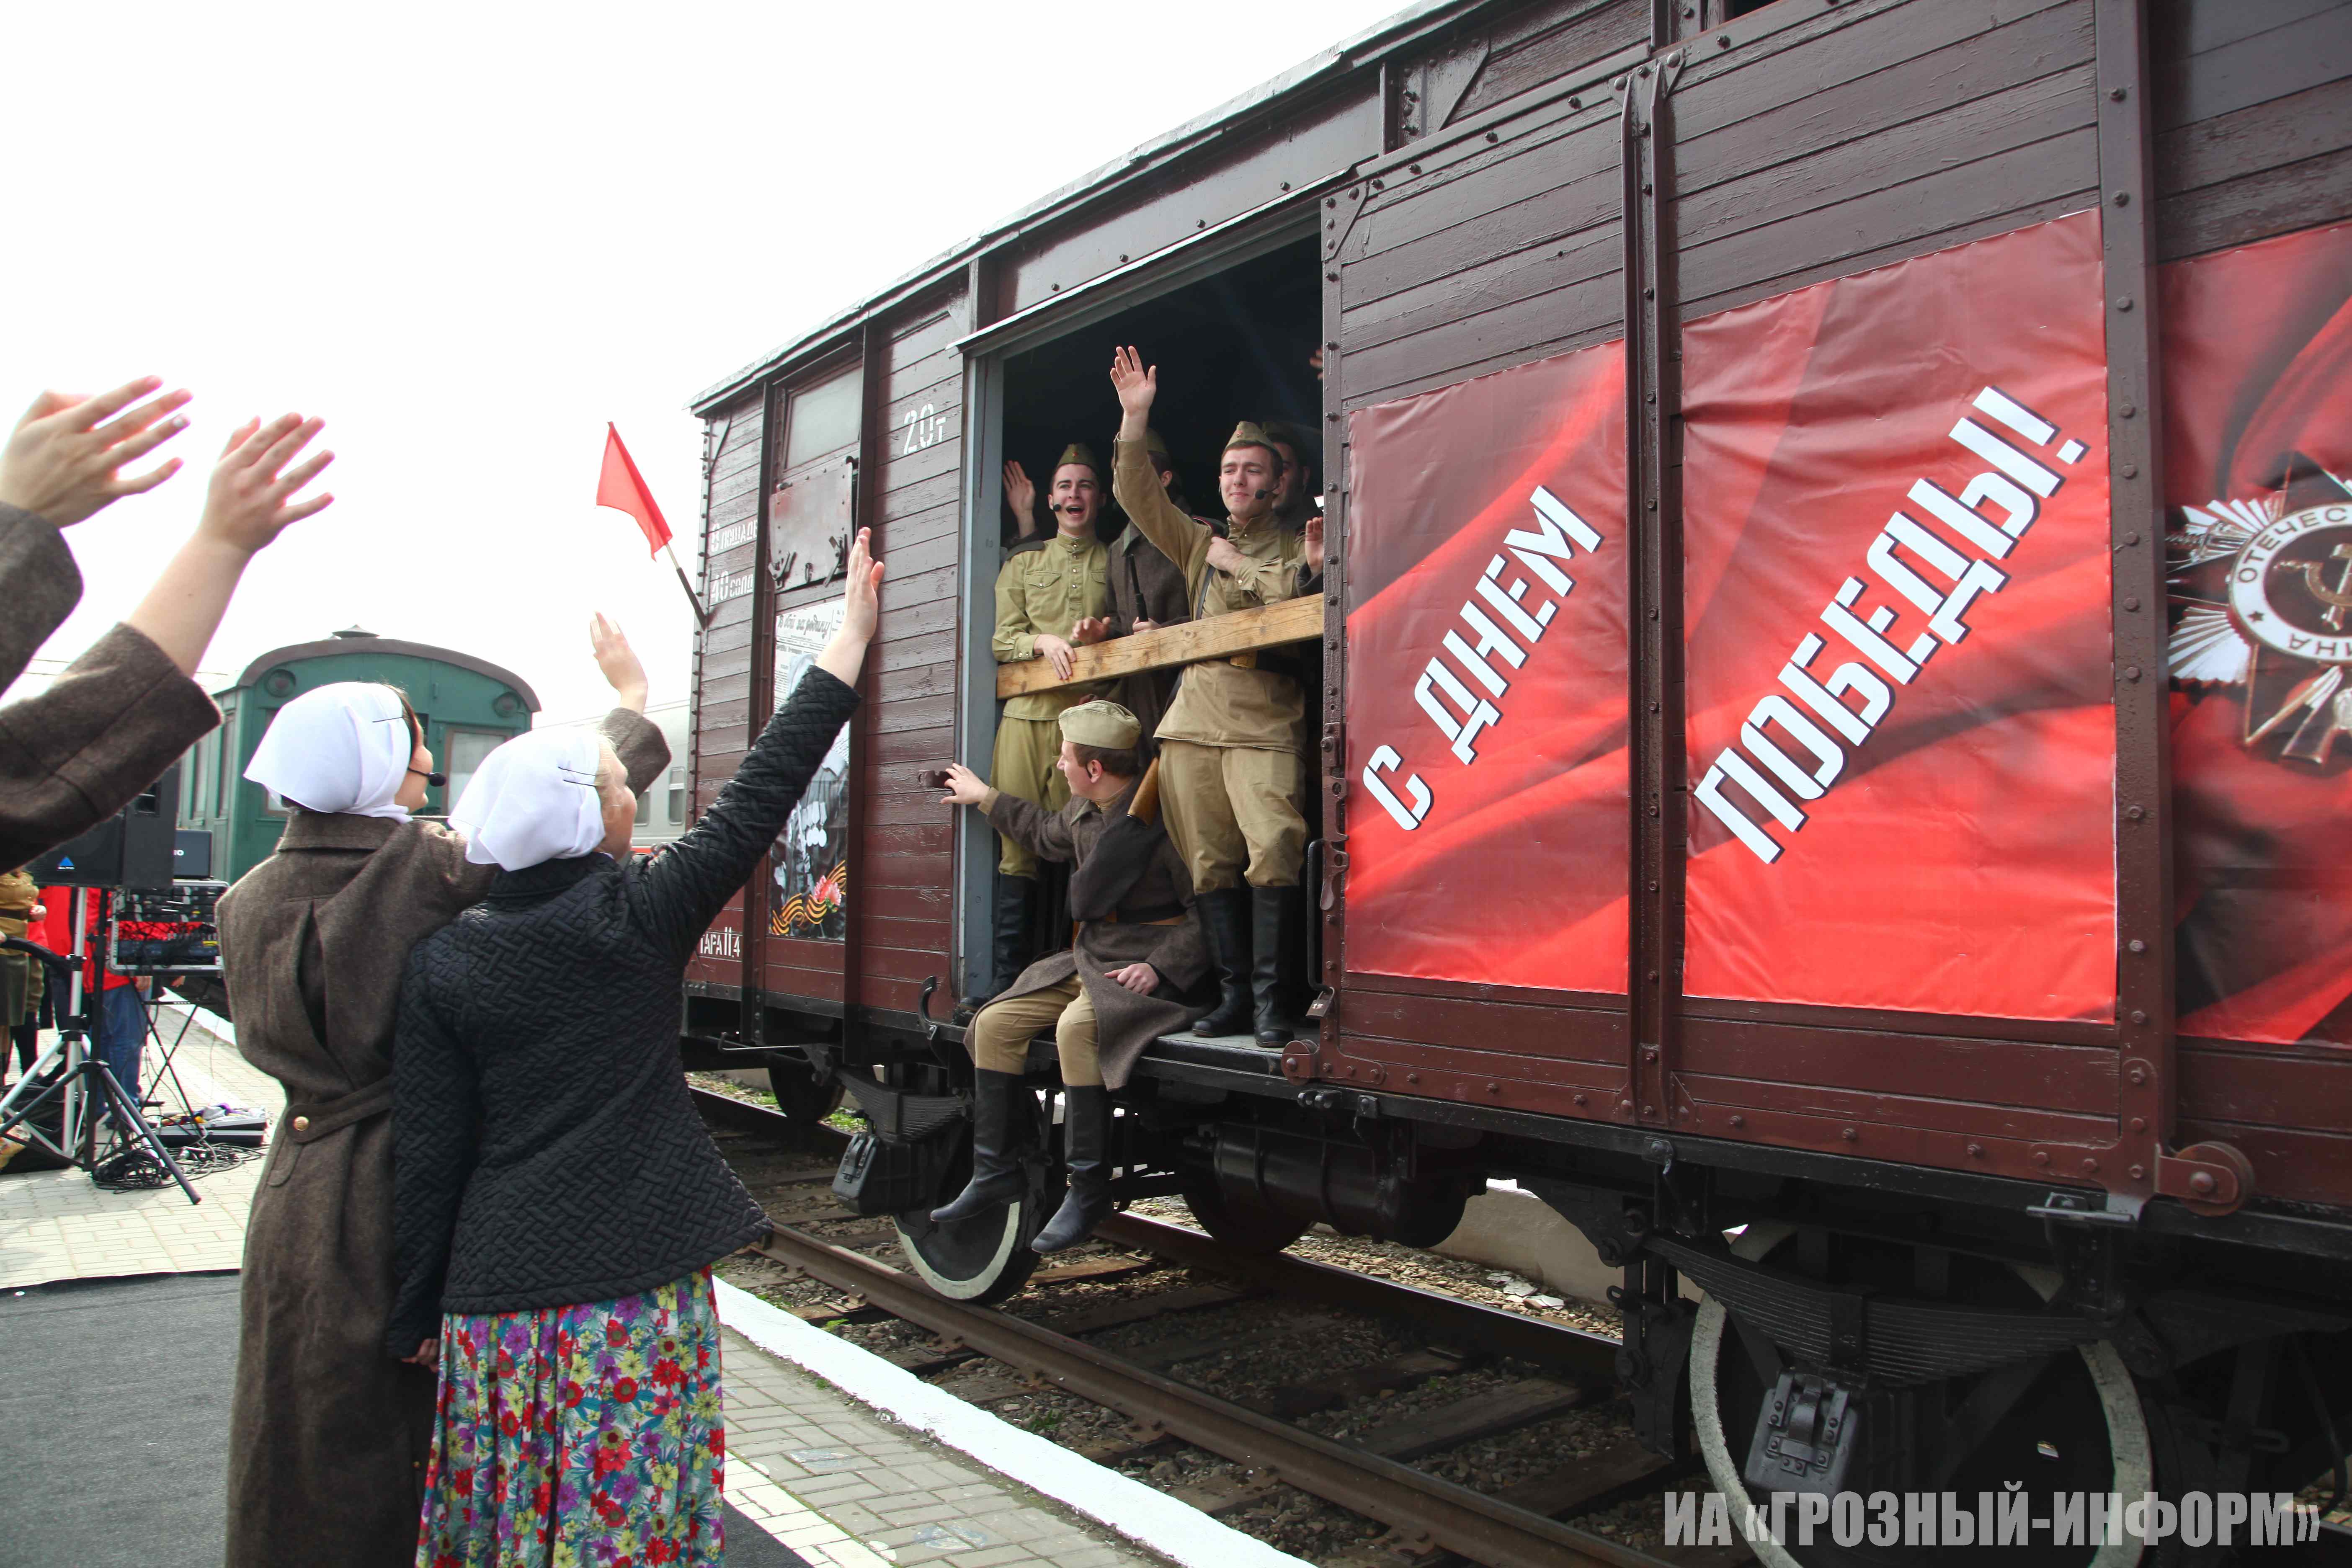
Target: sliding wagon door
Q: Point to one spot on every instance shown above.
(1476, 739)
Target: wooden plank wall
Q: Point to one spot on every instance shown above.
(1486, 256)
(2253, 115)
(2253, 106)
(1876, 132)
(721, 711)
(902, 910)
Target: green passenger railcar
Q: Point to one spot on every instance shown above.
(468, 705)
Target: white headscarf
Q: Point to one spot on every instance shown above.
(532, 800)
(343, 748)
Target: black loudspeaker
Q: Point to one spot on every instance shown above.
(192, 853)
(132, 848)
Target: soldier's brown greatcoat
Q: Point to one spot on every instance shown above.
(106, 729)
(1125, 1022)
(327, 1436)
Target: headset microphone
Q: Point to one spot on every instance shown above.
(1261, 495)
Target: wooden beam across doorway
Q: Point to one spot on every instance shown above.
(1220, 637)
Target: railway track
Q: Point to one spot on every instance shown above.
(1268, 1438)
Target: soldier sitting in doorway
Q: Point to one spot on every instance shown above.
(1051, 593)
(1117, 988)
(1231, 743)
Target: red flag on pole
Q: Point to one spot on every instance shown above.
(622, 488)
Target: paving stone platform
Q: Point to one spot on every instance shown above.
(824, 1477)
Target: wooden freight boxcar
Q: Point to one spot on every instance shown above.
(1831, 667)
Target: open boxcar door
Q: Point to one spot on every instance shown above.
(1475, 747)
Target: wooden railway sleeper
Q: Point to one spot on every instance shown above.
(1457, 1518)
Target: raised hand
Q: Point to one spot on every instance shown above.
(1021, 494)
(250, 501)
(623, 671)
(66, 457)
(964, 787)
(1137, 386)
(844, 652)
(863, 612)
(1310, 540)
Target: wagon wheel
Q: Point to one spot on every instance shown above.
(1241, 1228)
(2069, 1422)
(804, 1099)
(983, 1260)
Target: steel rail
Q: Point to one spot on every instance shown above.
(1409, 1500)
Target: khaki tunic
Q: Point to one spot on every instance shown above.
(326, 1437)
(106, 729)
(1046, 589)
(1023, 766)
(1125, 1022)
(1219, 703)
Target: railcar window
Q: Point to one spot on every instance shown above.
(676, 796)
(823, 418)
(466, 749)
(645, 806)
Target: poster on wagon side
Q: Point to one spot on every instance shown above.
(810, 862)
(1898, 644)
(2257, 358)
(1486, 681)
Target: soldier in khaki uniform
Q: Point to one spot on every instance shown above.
(1052, 594)
(1118, 987)
(1231, 743)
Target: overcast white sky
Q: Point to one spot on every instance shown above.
(467, 236)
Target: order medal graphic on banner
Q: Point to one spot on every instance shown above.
(2264, 595)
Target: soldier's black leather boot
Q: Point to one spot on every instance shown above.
(1272, 911)
(1225, 919)
(1009, 943)
(996, 1173)
(1086, 1149)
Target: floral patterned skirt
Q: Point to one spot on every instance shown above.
(583, 1436)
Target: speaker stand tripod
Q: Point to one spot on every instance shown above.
(84, 1076)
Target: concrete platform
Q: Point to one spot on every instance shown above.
(119, 1314)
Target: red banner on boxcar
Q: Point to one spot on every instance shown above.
(1900, 728)
(2257, 346)
(1486, 679)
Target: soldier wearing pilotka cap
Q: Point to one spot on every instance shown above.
(1119, 986)
(1052, 593)
(1230, 747)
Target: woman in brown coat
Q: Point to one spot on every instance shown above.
(327, 1438)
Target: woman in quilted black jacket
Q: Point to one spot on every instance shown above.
(559, 1204)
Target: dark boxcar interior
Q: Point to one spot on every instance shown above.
(1233, 345)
